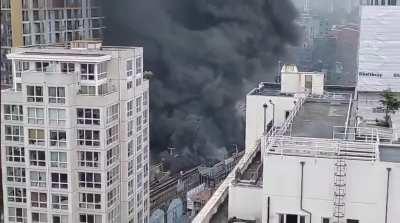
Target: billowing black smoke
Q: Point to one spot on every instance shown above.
(206, 55)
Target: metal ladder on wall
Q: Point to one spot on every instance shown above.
(339, 187)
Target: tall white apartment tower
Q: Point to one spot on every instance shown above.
(42, 22)
(75, 135)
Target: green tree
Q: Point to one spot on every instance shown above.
(391, 105)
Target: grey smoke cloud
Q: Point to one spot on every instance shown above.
(206, 55)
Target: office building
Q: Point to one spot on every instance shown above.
(75, 135)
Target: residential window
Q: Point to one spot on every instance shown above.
(88, 137)
(38, 178)
(131, 166)
(102, 70)
(87, 90)
(145, 134)
(34, 93)
(37, 158)
(59, 180)
(139, 161)
(14, 133)
(16, 194)
(57, 95)
(58, 138)
(145, 152)
(112, 113)
(145, 116)
(145, 187)
(129, 108)
(130, 128)
(145, 169)
(112, 196)
(129, 68)
(13, 112)
(129, 85)
(139, 143)
(112, 134)
(67, 67)
(39, 200)
(138, 104)
(16, 174)
(131, 187)
(89, 218)
(89, 201)
(145, 98)
(18, 87)
(57, 218)
(113, 215)
(88, 116)
(139, 180)
(36, 116)
(39, 217)
(138, 81)
(130, 148)
(15, 154)
(112, 155)
(139, 123)
(57, 117)
(17, 215)
(36, 137)
(89, 180)
(59, 201)
(58, 159)
(139, 200)
(89, 159)
(139, 65)
(131, 206)
(87, 71)
(113, 175)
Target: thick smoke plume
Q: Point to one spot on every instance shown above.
(206, 55)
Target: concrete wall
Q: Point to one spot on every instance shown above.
(255, 115)
(245, 202)
(295, 82)
(365, 190)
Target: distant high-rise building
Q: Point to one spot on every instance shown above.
(43, 22)
(380, 2)
(75, 135)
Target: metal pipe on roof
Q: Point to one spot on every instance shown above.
(301, 191)
(387, 193)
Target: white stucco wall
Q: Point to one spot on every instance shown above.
(255, 115)
(295, 82)
(365, 191)
(245, 202)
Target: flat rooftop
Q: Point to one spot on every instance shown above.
(316, 119)
(389, 153)
(269, 89)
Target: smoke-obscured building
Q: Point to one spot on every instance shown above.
(43, 22)
(75, 135)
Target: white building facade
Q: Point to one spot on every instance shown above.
(75, 135)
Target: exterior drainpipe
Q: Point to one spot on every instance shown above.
(387, 193)
(268, 203)
(301, 191)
